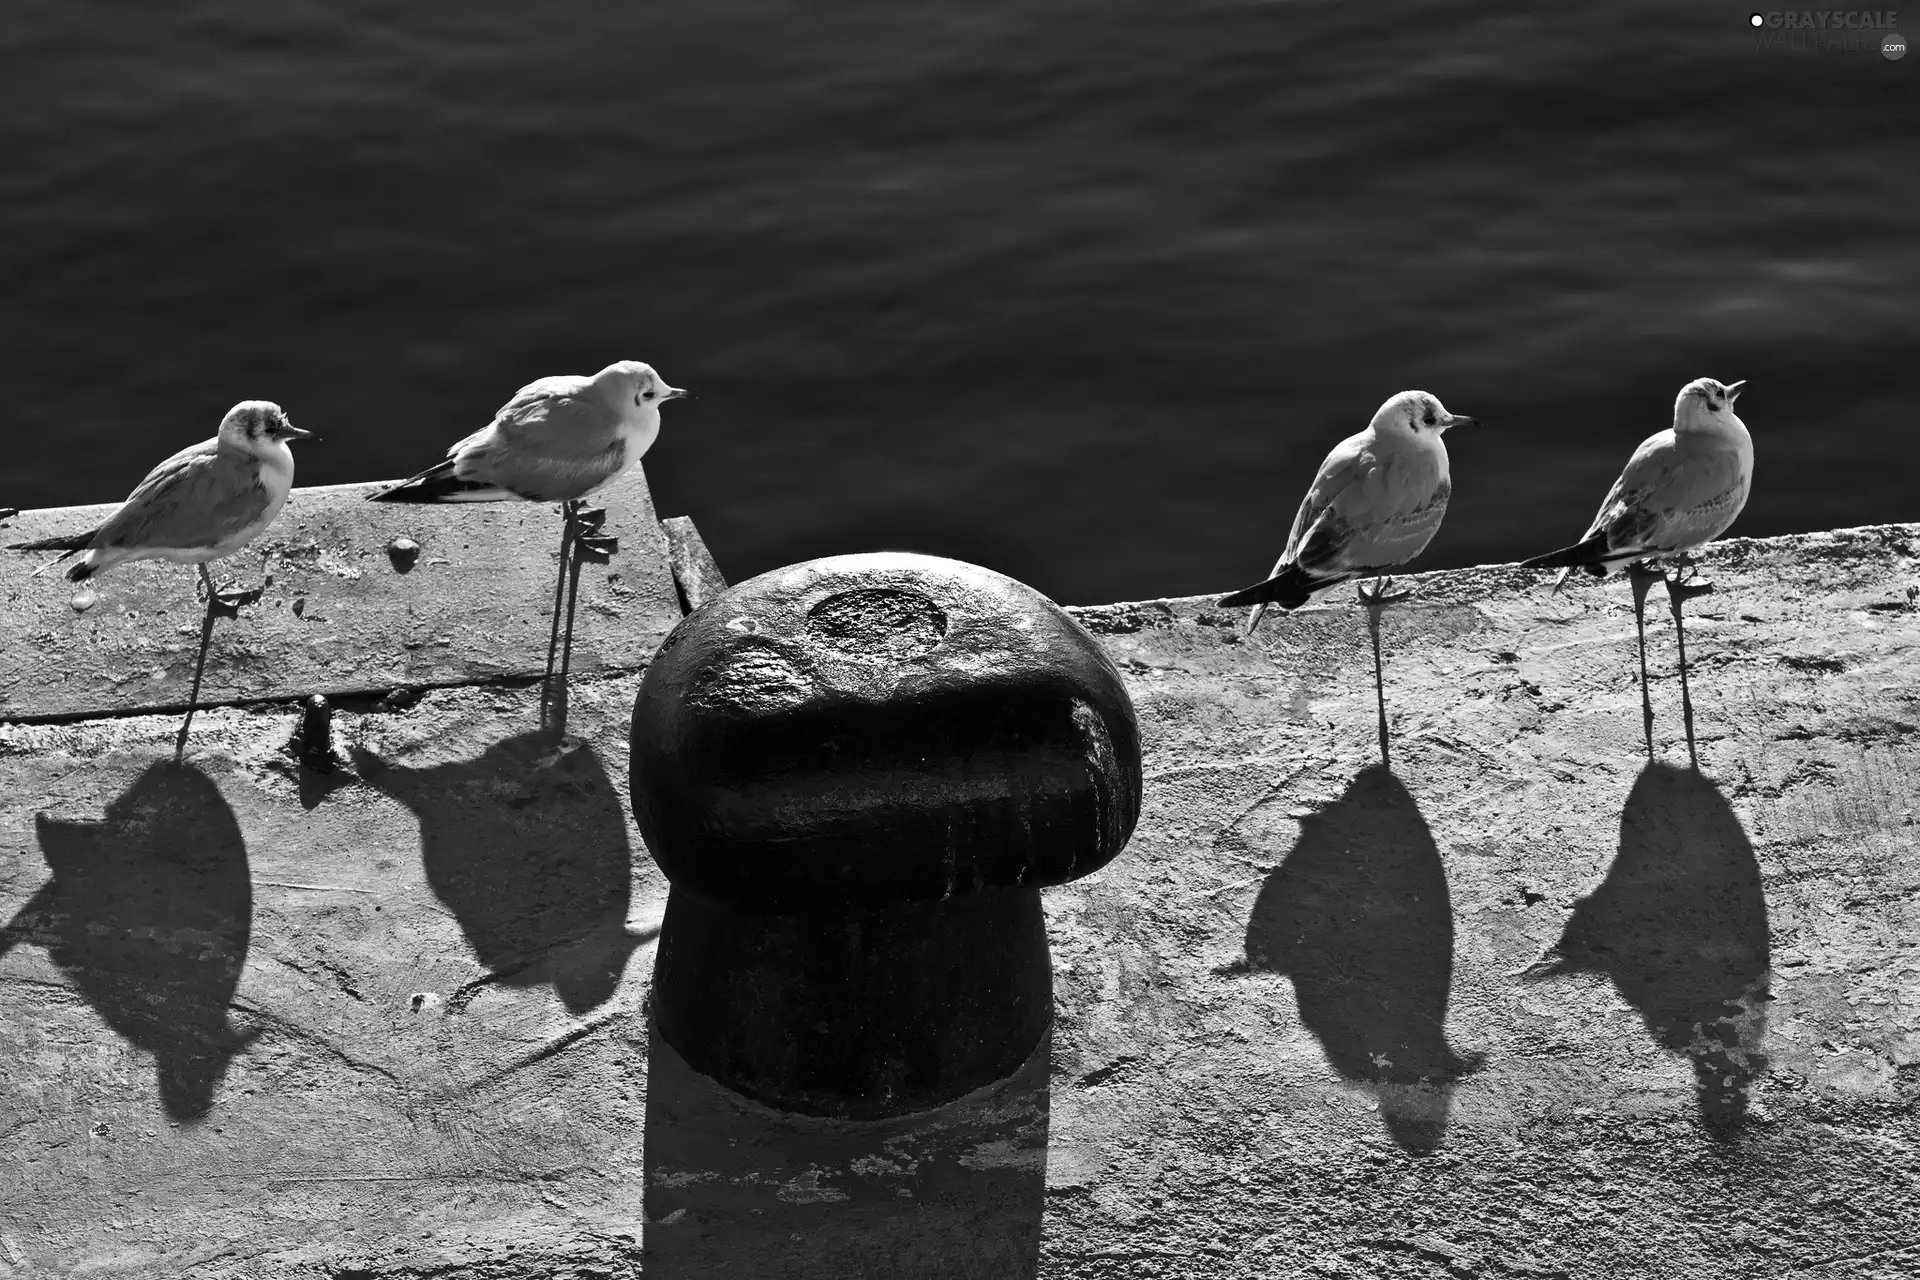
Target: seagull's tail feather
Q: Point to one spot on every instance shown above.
(1588, 551)
(1290, 588)
(1593, 554)
(70, 543)
(68, 546)
(1596, 555)
(81, 570)
(438, 483)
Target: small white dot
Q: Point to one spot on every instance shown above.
(1756, 20)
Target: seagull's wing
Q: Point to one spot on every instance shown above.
(551, 442)
(1391, 512)
(1318, 539)
(199, 497)
(1324, 530)
(1597, 551)
(538, 410)
(1610, 507)
(1672, 496)
(1649, 466)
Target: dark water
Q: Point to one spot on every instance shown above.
(1079, 291)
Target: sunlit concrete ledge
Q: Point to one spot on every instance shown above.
(1526, 1006)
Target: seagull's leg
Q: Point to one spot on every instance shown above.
(1376, 602)
(588, 544)
(231, 600)
(566, 646)
(1681, 587)
(559, 589)
(1642, 579)
(215, 608)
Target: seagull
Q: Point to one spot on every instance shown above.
(1682, 489)
(558, 440)
(203, 503)
(1376, 503)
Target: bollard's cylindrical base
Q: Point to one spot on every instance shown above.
(856, 1012)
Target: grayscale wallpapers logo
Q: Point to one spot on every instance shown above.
(1829, 31)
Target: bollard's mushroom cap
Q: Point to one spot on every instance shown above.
(881, 728)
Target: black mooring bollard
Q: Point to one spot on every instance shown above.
(857, 773)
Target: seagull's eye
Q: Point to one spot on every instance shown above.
(1429, 417)
(650, 395)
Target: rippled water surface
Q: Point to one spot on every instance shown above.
(1079, 291)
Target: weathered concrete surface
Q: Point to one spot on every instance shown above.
(341, 617)
(1257, 1018)
(694, 569)
(258, 1022)
(1295, 1029)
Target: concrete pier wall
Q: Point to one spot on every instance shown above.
(1525, 1005)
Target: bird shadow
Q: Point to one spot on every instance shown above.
(737, 1188)
(528, 848)
(1358, 916)
(149, 913)
(1680, 926)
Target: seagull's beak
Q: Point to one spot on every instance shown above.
(1458, 420)
(676, 393)
(292, 432)
(1733, 389)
